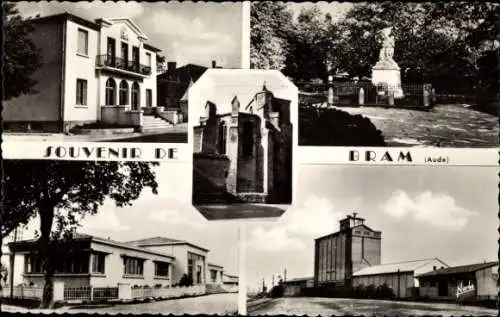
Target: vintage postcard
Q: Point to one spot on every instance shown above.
(111, 237)
(383, 241)
(110, 71)
(385, 73)
(243, 143)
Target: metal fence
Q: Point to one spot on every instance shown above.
(89, 293)
(368, 94)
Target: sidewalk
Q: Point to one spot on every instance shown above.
(177, 131)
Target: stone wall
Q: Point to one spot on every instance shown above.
(209, 175)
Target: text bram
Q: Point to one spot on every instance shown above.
(385, 156)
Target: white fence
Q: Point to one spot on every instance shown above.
(103, 294)
(27, 292)
(89, 293)
(167, 292)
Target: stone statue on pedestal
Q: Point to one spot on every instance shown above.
(386, 71)
(387, 50)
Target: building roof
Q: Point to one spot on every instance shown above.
(159, 241)
(215, 265)
(299, 279)
(230, 276)
(96, 26)
(409, 266)
(470, 268)
(86, 237)
(342, 231)
(68, 16)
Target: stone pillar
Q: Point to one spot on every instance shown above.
(391, 97)
(58, 291)
(330, 90)
(124, 291)
(361, 96)
(265, 157)
(426, 96)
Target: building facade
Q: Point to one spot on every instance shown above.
(101, 71)
(337, 256)
(401, 277)
(174, 83)
(245, 154)
(481, 279)
(101, 262)
(296, 286)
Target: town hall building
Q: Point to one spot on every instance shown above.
(244, 155)
(91, 72)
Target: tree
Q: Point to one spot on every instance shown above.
(270, 24)
(21, 58)
(61, 193)
(160, 63)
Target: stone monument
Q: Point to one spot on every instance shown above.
(386, 71)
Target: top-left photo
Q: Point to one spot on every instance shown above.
(110, 71)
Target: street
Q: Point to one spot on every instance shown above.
(314, 306)
(443, 126)
(220, 304)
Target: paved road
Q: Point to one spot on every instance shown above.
(314, 306)
(444, 125)
(221, 304)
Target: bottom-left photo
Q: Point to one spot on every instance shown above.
(111, 237)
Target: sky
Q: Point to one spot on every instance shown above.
(336, 9)
(423, 212)
(221, 87)
(186, 32)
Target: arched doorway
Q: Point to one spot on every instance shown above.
(123, 95)
(110, 92)
(248, 139)
(136, 96)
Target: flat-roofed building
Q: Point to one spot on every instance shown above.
(400, 277)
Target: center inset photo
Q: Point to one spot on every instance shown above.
(243, 139)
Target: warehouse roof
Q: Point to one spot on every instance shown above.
(461, 269)
(409, 266)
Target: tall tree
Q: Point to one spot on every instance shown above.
(21, 58)
(61, 193)
(271, 24)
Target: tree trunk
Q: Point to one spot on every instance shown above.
(46, 220)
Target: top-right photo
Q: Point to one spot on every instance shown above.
(395, 74)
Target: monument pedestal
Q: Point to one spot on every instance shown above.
(388, 74)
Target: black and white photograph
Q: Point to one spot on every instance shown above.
(110, 71)
(382, 241)
(111, 237)
(397, 74)
(243, 143)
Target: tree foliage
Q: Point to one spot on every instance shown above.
(61, 193)
(271, 26)
(21, 57)
(435, 42)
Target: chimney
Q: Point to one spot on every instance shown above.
(171, 66)
(214, 64)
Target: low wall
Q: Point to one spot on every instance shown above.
(171, 115)
(119, 115)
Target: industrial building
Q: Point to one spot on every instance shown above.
(401, 277)
(296, 286)
(337, 256)
(481, 279)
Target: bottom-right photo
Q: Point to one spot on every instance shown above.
(379, 240)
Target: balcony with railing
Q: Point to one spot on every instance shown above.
(122, 65)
